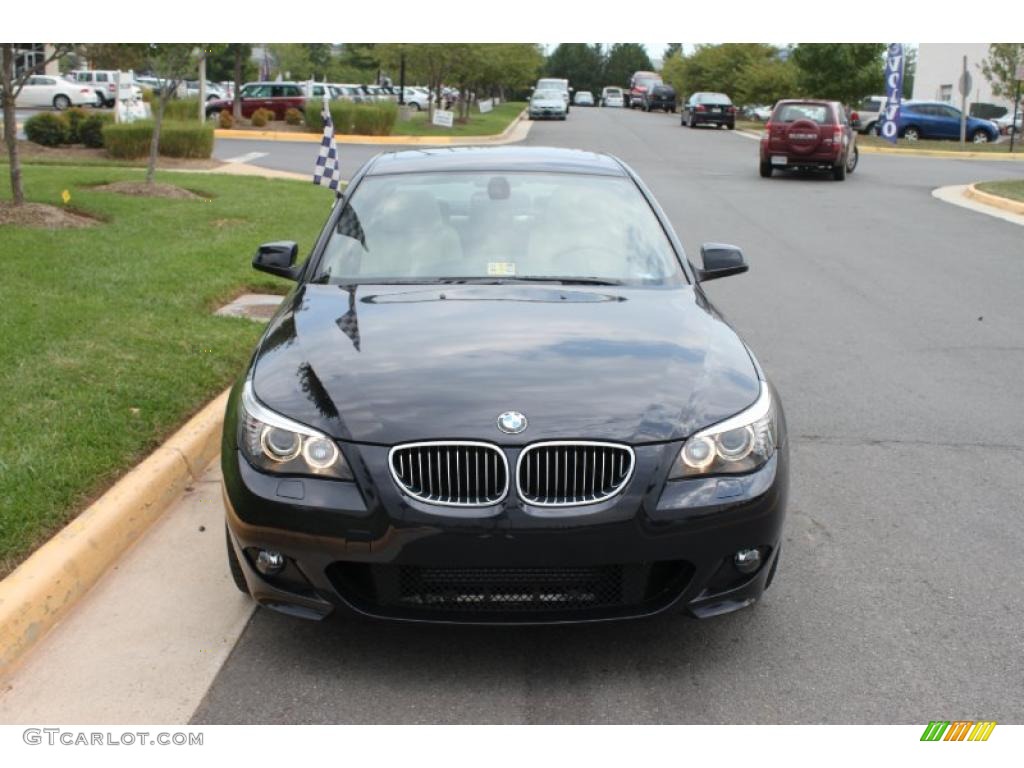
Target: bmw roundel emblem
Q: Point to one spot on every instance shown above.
(512, 422)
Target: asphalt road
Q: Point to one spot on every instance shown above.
(893, 325)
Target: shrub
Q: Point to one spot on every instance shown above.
(74, 116)
(90, 130)
(182, 109)
(177, 139)
(47, 128)
(147, 95)
(293, 116)
(225, 119)
(261, 117)
(128, 140)
(366, 119)
(184, 139)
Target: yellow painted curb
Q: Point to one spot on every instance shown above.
(940, 153)
(347, 138)
(996, 201)
(42, 589)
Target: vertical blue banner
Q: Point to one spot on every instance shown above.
(889, 126)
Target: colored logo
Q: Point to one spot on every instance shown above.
(958, 730)
(512, 422)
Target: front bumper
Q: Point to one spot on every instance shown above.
(540, 114)
(365, 548)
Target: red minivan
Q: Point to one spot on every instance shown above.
(809, 134)
(277, 97)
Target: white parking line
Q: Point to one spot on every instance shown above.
(247, 158)
(956, 195)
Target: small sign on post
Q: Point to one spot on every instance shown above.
(444, 118)
(486, 106)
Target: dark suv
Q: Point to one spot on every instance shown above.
(639, 84)
(809, 134)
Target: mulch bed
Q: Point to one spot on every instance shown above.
(142, 189)
(40, 216)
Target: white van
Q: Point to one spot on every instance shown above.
(555, 84)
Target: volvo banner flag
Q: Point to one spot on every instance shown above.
(889, 126)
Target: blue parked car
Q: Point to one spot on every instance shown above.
(938, 120)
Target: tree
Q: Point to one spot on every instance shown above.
(11, 83)
(765, 81)
(846, 72)
(1000, 68)
(581, 64)
(623, 60)
(909, 70)
(171, 63)
(672, 49)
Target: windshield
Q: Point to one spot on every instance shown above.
(496, 227)
(557, 84)
(541, 95)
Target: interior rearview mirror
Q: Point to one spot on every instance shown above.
(277, 258)
(720, 260)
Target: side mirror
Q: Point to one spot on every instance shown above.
(720, 260)
(277, 258)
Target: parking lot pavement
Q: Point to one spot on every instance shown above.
(297, 156)
(891, 324)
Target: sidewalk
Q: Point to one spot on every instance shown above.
(146, 642)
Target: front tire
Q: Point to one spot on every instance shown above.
(979, 137)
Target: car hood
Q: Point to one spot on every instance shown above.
(390, 364)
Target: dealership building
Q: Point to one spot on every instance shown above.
(939, 66)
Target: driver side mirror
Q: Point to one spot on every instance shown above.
(277, 258)
(720, 260)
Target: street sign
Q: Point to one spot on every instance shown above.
(444, 118)
(965, 84)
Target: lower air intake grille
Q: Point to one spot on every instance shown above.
(451, 473)
(510, 589)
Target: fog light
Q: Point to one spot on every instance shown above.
(268, 563)
(747, 560)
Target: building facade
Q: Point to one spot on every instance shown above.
(30, 56)
(939, 66)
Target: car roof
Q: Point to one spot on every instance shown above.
(524, 159)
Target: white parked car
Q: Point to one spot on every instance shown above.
(416, 97)
(612, 97)
(213, 91)
(583, 99)
(868, 112)
(547, 103)
(53, 91)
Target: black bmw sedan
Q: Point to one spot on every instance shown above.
(499, 394)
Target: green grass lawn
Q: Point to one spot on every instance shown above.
(108, 341)
(1014, 190)
(490, 124)
(941, 146)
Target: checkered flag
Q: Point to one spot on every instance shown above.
(349, 322)
(327, 171)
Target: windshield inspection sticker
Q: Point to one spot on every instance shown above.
(501, 268)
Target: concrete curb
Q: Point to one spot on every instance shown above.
(996, 201)
(421, 141)
(44, 588)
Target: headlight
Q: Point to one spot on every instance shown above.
(277, 444)
(737, 445)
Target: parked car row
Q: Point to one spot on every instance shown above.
(42, 91)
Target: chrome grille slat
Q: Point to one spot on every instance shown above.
(572, 472)
(453, 474)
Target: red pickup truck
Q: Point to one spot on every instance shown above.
(277, 97)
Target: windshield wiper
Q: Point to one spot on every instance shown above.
(566, 280)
